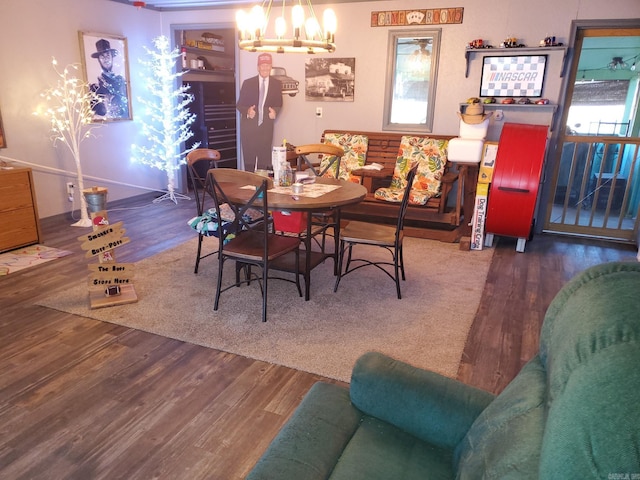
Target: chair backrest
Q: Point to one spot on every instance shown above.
(354, 155)
(199, 162)
(431, 156)
(332, 152)
(405, 199)
(220, 181)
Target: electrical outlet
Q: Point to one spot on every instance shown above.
(499, 115)
(70, 188)
(319, 112)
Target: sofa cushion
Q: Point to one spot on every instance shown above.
(380, 451)
(505, 440)
(355, 154)
(431, 155)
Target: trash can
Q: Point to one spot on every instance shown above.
(96, 198)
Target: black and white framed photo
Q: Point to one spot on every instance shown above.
(106, 69)
(330, 79)
(513, 76)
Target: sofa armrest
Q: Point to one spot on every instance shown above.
(311, 442)
(432, 407)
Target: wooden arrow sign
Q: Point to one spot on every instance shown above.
(103, 239)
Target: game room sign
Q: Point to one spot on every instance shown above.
(430, 16)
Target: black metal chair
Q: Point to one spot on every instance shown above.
(243, 239)
(372, 234)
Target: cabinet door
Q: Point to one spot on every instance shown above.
(18, 217)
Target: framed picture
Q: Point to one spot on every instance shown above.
(513, 76)
(106, 70)
(3, 141)
(329, 79)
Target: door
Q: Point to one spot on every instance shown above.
(596, 181)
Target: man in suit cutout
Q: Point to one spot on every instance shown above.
(256, 121)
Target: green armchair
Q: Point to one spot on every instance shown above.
(572, 412)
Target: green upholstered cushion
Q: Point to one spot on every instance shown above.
(436, 409)
(311, 442)
(380, 451)
(504, 441)
(590, 346)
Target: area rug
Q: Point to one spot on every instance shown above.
(325, 335)
(21, 258)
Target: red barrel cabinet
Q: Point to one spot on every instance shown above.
(515, 183)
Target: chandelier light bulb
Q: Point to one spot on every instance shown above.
(330, 23)
(257, 21)
(281, 27)
(312, 28)
(297, 16)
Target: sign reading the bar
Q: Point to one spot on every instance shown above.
(431, 16)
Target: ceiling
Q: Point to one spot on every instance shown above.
(176, 5)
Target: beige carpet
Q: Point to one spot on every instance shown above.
(325, 335)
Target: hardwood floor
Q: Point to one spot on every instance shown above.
(83, 399)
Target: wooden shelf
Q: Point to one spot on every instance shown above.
(469, 52)
(205, 51)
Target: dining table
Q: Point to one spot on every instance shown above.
(320, 196)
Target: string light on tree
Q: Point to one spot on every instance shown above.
(168, 120)
(69, 109)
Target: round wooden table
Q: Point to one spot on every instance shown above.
(280, 199)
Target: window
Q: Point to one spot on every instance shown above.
(412, 66)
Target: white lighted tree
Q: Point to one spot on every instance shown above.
(69, 109)
(168, 121)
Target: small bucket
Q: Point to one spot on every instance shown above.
(96, 198)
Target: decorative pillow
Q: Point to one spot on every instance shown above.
(431, 155)
(355, 154)
(207, 224)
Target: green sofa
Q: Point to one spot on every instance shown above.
(572, 412)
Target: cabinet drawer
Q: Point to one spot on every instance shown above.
(15, 191)
(19, 228)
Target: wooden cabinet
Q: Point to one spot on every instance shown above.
(516, 178)
(19, 223)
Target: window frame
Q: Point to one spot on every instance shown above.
(395, 38)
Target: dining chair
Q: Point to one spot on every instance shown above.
(253, 243)
(199, 162)
(372, 234)
(332, 155)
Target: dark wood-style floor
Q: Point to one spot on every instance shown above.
(82, 399)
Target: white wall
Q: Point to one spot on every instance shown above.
(32, 32)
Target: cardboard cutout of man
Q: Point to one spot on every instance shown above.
(257, 117)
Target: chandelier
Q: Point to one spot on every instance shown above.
(306, 36)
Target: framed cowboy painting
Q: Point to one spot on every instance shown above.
(106, 70)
